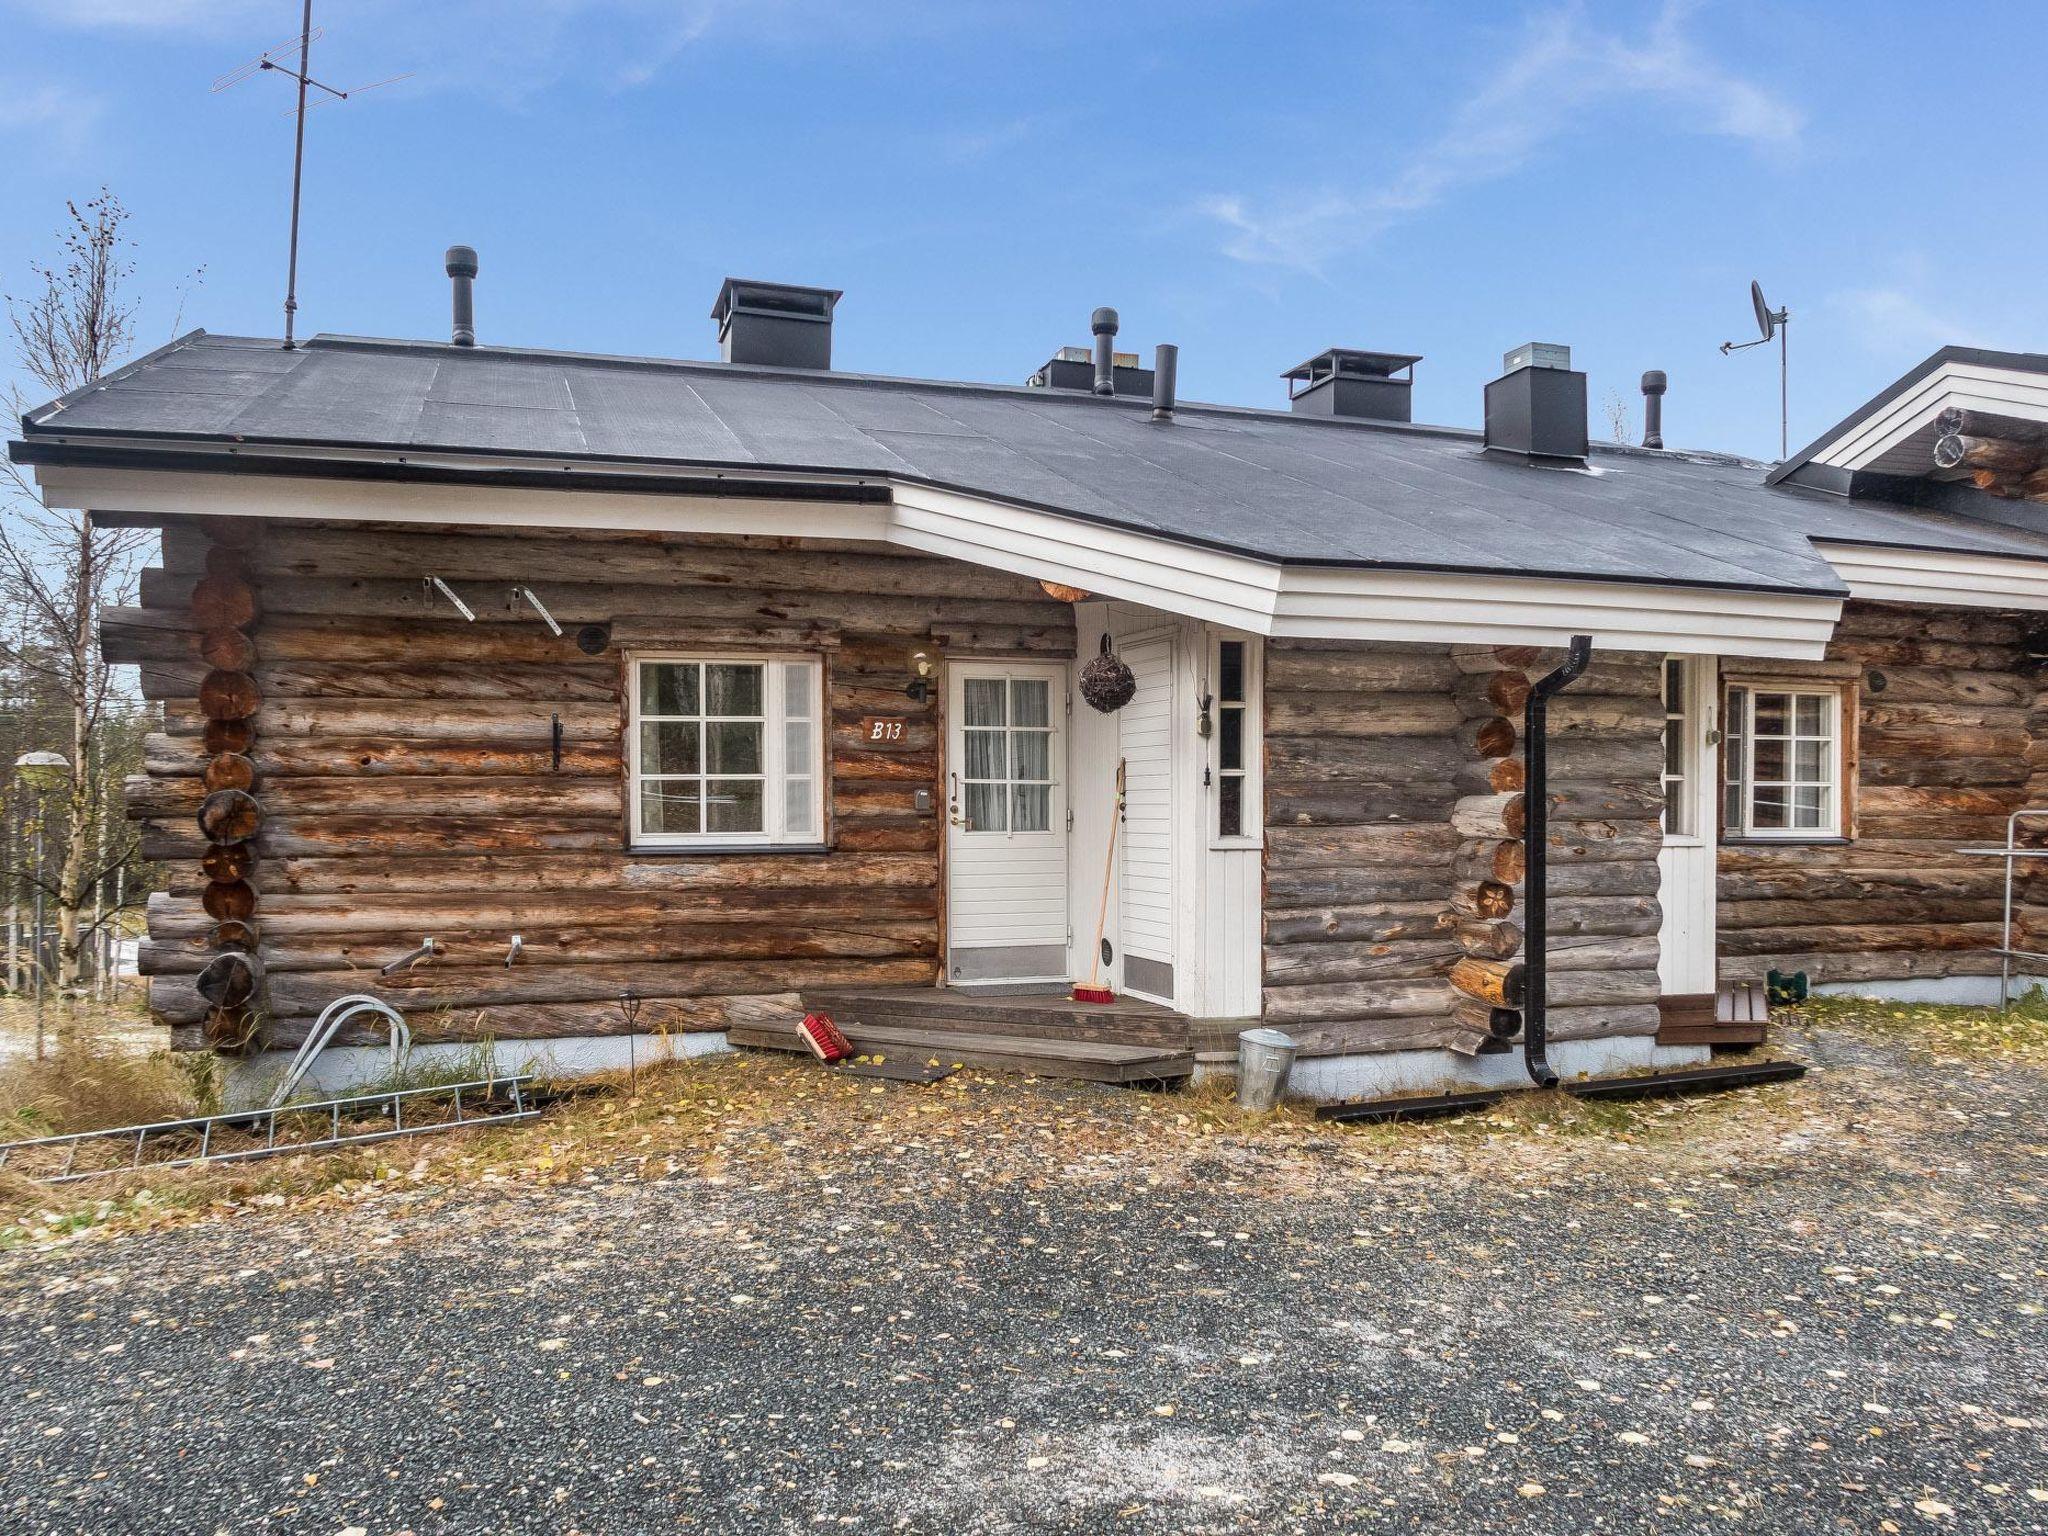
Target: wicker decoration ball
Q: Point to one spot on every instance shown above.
(1107, 684)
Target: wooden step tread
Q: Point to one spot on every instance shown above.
(939, 1041)
(938, 1002)
(1093, 1060)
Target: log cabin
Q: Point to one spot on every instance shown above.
(562, 700)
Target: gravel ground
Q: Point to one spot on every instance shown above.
(997, 1307)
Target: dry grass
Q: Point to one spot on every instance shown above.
(1971, 1033)
(95, 1072)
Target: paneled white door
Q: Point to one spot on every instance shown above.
(1145, 900)
(1686, 862)
(1006, 813)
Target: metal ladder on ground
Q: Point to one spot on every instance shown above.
(238, 1136)
(2012, 853)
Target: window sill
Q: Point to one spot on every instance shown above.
(1828, 840)
(699, 850)
(1236, 844)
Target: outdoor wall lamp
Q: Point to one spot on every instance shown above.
(920, 685)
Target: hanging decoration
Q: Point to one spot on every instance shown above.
(1106, 683)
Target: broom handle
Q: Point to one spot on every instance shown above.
(1108, 869)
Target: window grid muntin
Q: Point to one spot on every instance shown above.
(996, 800)
(1816, 793)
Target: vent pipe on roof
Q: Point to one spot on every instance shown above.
(461, 261)
(1165, 366)
(1103, 324)
(1653, 408)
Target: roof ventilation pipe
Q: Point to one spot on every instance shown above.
(461, 261)
(1165, 367)
(1103, 324)
(1653, 408)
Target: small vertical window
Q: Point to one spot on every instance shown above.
(1677, 749)
(1231, 738)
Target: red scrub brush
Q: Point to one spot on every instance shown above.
(823, 1037)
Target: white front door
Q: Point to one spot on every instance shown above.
(1145, 899)
(1686, 863)
(1006, 813)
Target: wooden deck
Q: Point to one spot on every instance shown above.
(1122, 1042)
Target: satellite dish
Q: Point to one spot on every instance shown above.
(1766, 321)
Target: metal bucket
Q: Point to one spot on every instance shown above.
(1264, 1058)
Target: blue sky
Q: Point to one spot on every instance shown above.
(1251, 181)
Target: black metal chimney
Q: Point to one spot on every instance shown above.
(775, 325)
(1363, 386)
(1653, 408)
(461, 260)
(1165, 368)
(1536, 409)
(1103, 324)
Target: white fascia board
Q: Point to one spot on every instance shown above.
(198, 493)
(1527, 610)
(1234, 590)
(1972, 386)
(1937, 576)
(1241, 592)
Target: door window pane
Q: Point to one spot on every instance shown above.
(1030, 701)
(1230, 807)
(983, 697)
(984, 808)
(1034, 754)
(1033, 808)
(986, 755)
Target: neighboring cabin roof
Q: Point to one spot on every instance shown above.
(1892, 434)
(1269, 484)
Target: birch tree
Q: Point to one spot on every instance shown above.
(58, 568)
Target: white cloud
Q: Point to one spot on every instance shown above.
(59, 116)
(1889, 321)
(1562, 68)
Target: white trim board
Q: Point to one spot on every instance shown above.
(1864, 443)
(1935, 576)
(1260, 597)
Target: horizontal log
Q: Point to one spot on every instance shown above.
(420, 719)
(554, 945)
(1602, 988)
(1306, 964)
(1362, 715)
(1412, 761)
(1483, 1019)
(1504, 861)
(1492, 776)
(1290, 803)
(1733, 916)
(507, 1026)
(1877, 935)
(1292, 890)
(1957, 450)
(1960, 419)
(1307, 847)
(1353, 1000)
(1602, 1021)
(1489, 939)
(380, 756)
(432, 987)
(1377, 1036)
(540, 682)
(1973, 626)
(1493, 693)
(604, 602)
(1364, 670)
(445, 795)
(1364, 923)
(1493, 658)
(1489, 816)
(1602, 952)
(1496, 982)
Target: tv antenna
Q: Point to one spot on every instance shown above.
(1771, 322)
(274, 60)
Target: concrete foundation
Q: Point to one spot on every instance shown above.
(343, 1067)
(1969, 991)
(1331, 1079)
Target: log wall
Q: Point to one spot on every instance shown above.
(1393, 854)
(1954, 741)
(408, 782)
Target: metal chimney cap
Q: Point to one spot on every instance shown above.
(1103, 322)
(461, 261)
(1654, 382)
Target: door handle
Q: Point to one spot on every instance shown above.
(953, 802)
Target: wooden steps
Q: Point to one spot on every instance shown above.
(1094, 1061)
(1739, 1015)
(1121, 1042)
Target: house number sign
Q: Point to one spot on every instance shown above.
(884, 730)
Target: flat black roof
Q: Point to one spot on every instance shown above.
(1263, 483)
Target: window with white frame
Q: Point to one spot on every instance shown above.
(1783, 761)
(1235, 728)
(1678, 789)
(726, 749)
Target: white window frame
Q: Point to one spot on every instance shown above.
(1253, 774)
(1742, 829)
(1697, 759)
(774, 768)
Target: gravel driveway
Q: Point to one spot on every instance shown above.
(1006, 1307)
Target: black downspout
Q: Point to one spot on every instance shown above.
(1536, 878)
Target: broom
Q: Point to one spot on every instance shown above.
(1091, 991)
